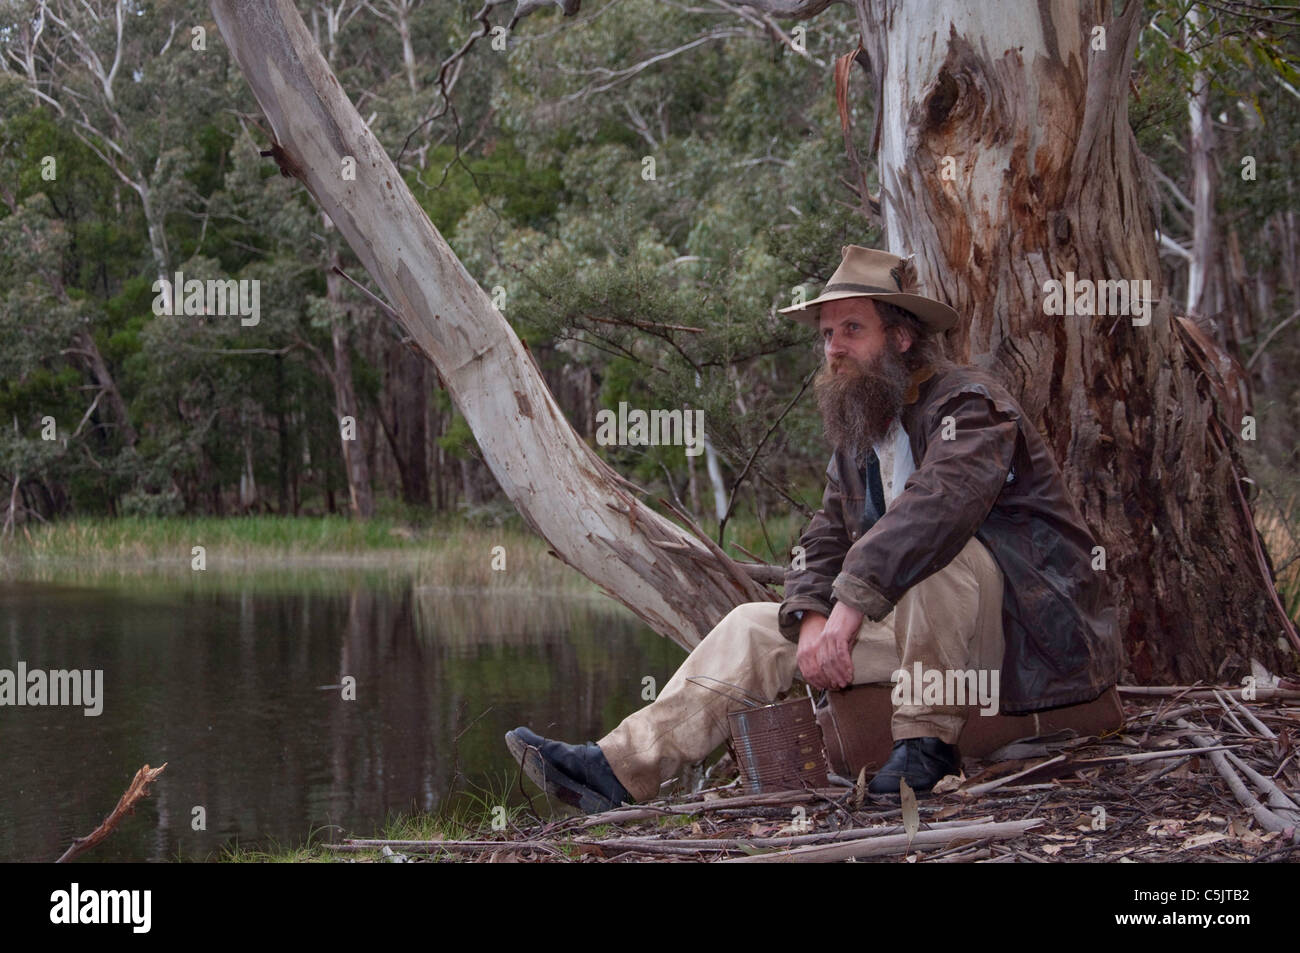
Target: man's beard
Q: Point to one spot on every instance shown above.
(859, 405)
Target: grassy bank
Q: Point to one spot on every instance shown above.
(473, 815)
(323, 552)
(144, 537)
(444, 552)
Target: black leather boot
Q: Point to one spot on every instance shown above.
(922, 762)
(578, 775)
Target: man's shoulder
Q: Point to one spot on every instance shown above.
(959, 380)
(956, 377)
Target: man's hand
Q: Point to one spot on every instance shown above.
(825, 654)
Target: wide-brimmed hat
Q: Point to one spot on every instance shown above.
(869, 273)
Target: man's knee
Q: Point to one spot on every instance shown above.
(976, 559)
(972, 574)
(753, 623)
(752, 616)
(757, 611)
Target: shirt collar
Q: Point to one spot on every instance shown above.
(919, 377)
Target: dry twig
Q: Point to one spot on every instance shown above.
(135, 792)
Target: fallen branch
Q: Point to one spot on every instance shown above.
(1189, 691)
(357, 844)
(876, 846)
(1059, 765)
(775, 798)
(1262, 728)
(793, 840)
(1267, 819)
(1148, 756)
(962, 854)
(1277, 798)
(137, 791)
(1000, 782)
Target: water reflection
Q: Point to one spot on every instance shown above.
(236, 685)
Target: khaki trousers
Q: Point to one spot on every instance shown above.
(951, 620)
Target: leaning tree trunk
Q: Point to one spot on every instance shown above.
(1029, 121)
(678, 584)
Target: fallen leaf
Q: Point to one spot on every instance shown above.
(1051, 850)
(795, 828)
(911, 816)
(948, 783)
(1200, 840)
(1165, 827)
(860, 788)
(1240, 829)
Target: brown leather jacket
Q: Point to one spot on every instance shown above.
(995, 478)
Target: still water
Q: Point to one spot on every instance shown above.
(235, 683)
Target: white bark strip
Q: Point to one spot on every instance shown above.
(563, 490)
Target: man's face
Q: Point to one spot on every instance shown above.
(861, 386)
(851, 327)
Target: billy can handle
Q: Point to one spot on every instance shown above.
(747, 699)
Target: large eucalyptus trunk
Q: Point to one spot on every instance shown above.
(678, 584)
(1006, 161)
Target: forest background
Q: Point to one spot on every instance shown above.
(131, 149)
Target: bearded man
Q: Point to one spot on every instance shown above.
(945, 539)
